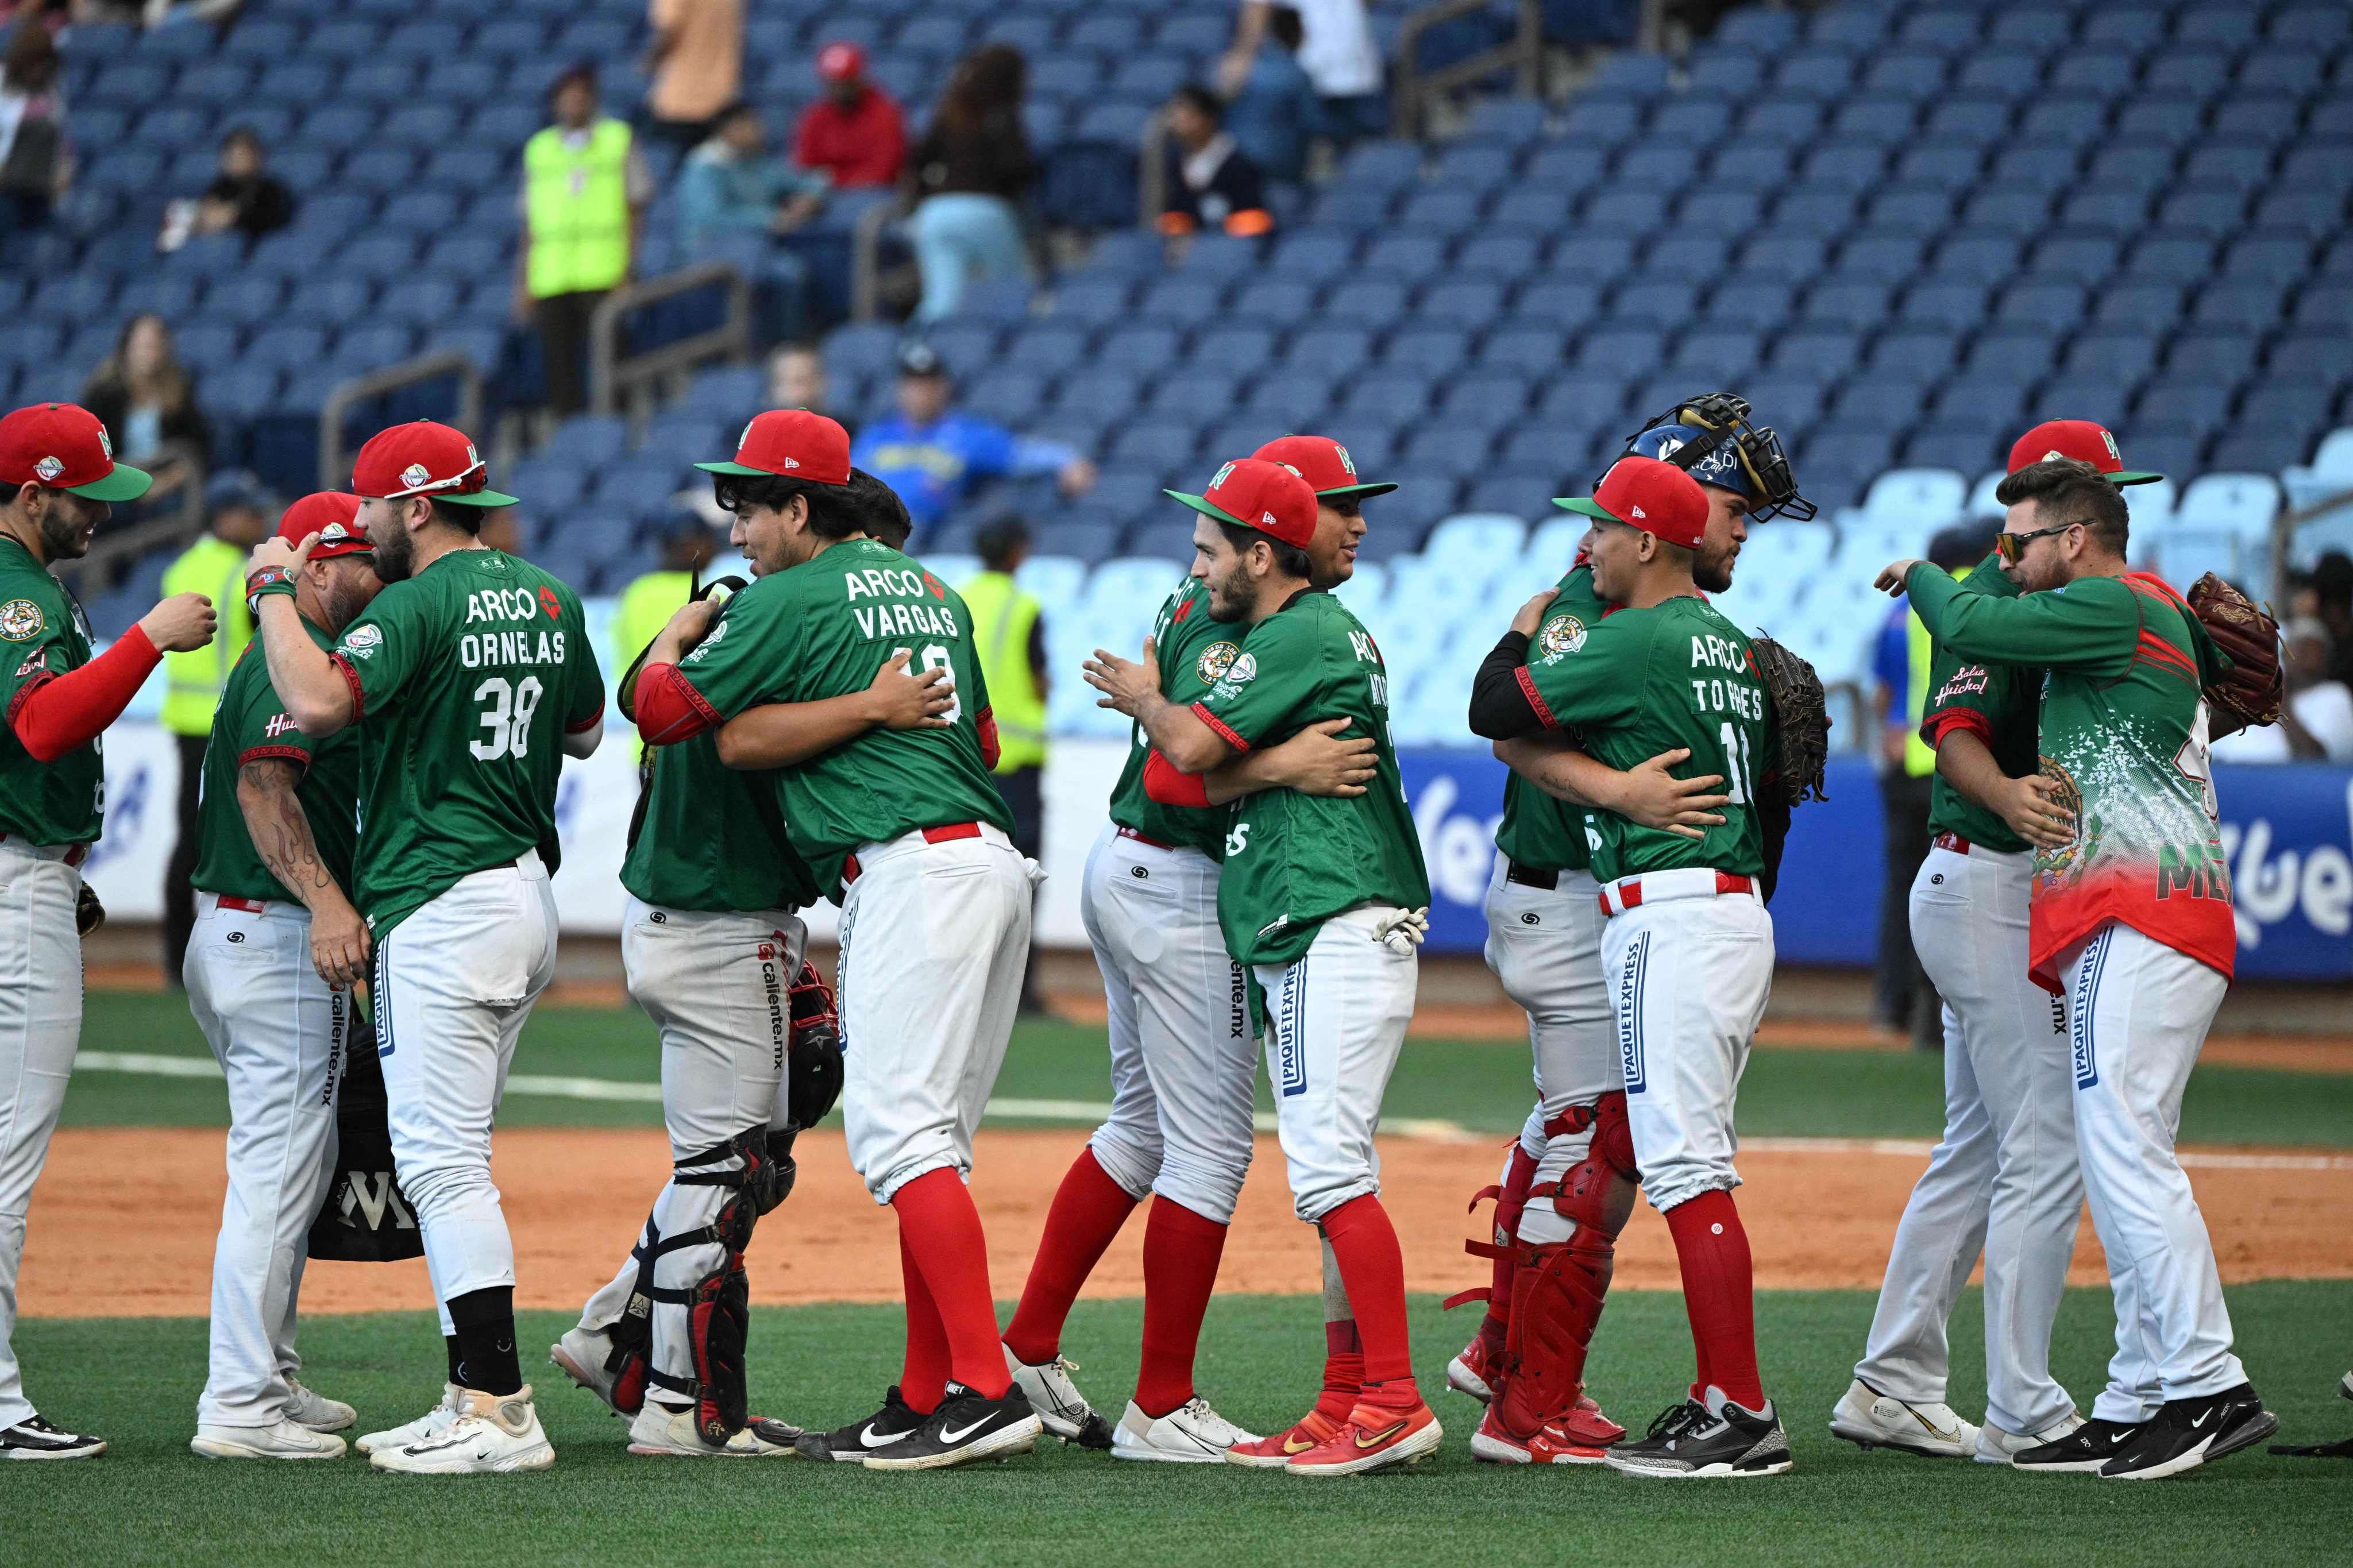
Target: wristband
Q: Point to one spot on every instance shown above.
(262, 583)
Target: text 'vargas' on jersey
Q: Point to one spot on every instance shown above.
(1194, 651)
(1540, 830)
(251, 724)
(465, 680)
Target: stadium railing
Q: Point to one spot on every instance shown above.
(618, 380)
(439, 364)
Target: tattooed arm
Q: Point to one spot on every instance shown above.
(282, 838)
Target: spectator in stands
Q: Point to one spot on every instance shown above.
(695, 57)
(933, 456)
(1209, 182)
(1008, 633)
(971, 167)
(585, 190)
(2332, 602)
(244, 196)
(148, 404)
(1269, 113)
(35, 164)
(1335, 50)
(733, 184)
(854, 134)
(2315, 723)
(796, 379)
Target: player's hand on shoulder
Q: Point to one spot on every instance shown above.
(1320, 761)
(904, 700)
(1125, 685)
(339, 944)
(180, 624)
(2029, 805)
(1654, 797)
(693, 622)
(1531, 614)
(1891, 577)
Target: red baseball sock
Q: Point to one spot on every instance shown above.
(1088, 1210)
(925, 1371)
(1519, 1175)
(1373, 1269)
(1181, 1250)
(1344, 1370)
(941, 1231)
(1719, 1294)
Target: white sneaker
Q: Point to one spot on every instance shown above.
(581, 1353)
(1997, 1447)
(432, 1424)
(1055, 1398)
(1192, 1434)
(36, 1438)
(660, 1431)
(286, 1439)
(1877, 1420)
(491, 1434)
(317, 1412)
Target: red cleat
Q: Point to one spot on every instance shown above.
(1477, 1368)
(1271, 1453)
(1377, 1437)
(1551, 1445)
(1588, 1427)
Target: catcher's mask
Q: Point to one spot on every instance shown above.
(1711, 438)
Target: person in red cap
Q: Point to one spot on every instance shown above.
(471, 677)
(854, 134)
(1324, 898)
(1688, 954)
(59, 478)
(277, 948)
(2083, 440)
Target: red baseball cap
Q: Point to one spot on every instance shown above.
(424, 458)
(841, 62)
(1323, 462)
(2082, 440)
(333, 516)
(65, 448)
(1250, 492)
(1643, 492)
(793, 444)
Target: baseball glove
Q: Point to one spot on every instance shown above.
(2250, 692)
(1802, 715)
(89, 913)
(814, 1066)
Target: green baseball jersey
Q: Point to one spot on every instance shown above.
(1639, 682)
(465, 680)
(2123, 730)
(711, 838)
(1194, 650)
(1294, 861)
(249, 725)
(821, 630)
(1540, 830)
(42, 634)
(1996, 703)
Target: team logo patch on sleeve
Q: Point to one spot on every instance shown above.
(1560, 635)
(360, 642)
(1215, 661)
(21, 619)
(35, 663)
(1241, 672)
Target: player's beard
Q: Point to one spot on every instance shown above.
(1230, 595)
(395, 555)
(1713, 573)
(65, 527)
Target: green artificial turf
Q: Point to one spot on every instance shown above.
(150, 1502)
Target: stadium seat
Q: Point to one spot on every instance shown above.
(2239, 504)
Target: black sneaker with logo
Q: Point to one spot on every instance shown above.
(1697, 1443)
(967, 1426)
(2187, 1433)
(34, 1438)
(895, 1422)
(2087, 1447)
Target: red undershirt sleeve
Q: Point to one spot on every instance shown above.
(65, 712)
(1164, 782)
(670, 710)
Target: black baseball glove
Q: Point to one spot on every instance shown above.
(1801, 715)
(89, 913)
(814, 1064)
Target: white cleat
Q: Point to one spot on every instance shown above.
(316, 1411)
(1056, 1400)
(661, 1432)
(580, 1355)
(432, 1424)
(285, 1439)
(1876, 1420)
(1192, 1434)
(1997, 1447)
(491, 1434)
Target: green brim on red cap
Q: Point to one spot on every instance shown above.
(1590, 506)
(1359, 491)
(2133, 477)
(737, 468)
(1207, 508)
(472, 497)
(123, 482)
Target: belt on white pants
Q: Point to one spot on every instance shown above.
(284, 908)
(1657, 886)
(850, 868)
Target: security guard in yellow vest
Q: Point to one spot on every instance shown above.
(1010, 633)
(584, 189)
(215, 567)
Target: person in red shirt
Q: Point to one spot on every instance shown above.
(854, 133)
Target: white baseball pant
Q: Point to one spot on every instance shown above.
(278, 1032)
(40, 1027)
(2138, 1013)
(934, 936)
(2004, 1177)
(1545, 946)
(1688, 975)
(454, 983)
(1183, 1059)
(1335, 1021)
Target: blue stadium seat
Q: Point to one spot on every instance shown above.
(1646, 302)
(1604, 123)
(1687, 257)
(2141, 305)
(1506, 258)
(1915, 357)
(1919, 211)
(1822, 354)
(2167, 257)
(1795, 258)
(1814, 73)
(2053, 307)
(2188, 73)
(1394, 397)
(2011, 74)
(1842, 302)
(1688, 123)
(1816, 208)
(1447, 212)
(1940, 166)
(1594, 257)
(2222, 359)
(2102, 402)
(1437, 354)
(1333, 350)
(1781, 123)
(1180, 300)
(1999, 354)
(1958, 449)
(2245, 166)
(2236, 26)
(2251, 308)
(1237, 343)
(1717, 356)
(1559, 302)
(1569, 169)
(1884, 258)
(1906, 73)
(1981, 403)
(2318, 165)
(2270, 120)
(2117, 357)
(1048, 348)
(1313, 255)
(1411, 256)
(2073, 256)
(1142, 349)
(2141, 165)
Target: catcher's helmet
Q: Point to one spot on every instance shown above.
(1710, 437)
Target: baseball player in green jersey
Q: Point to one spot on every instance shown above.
(1324, 898)
(57, 481)
(277, 948)
(470, 678)
(2130, 921)
(1183, 1055)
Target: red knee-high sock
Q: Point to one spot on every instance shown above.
(1343, 1370)
(925, 1371)
(1373, 1269)
(943, 1233)
(1181, 1250)
(1088, 1210)
(1513, 1197)
(1719, 1294)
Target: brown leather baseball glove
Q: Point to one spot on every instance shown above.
(2250, 692)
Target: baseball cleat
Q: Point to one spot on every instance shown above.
(1375, 1438)
(284, 1439)
(431, 1424)
(1871, 1419)
(316, 1411)
(580, 1355)
(1691, 1441)
(2087, 1447)
(488, 1434)
(1996, 1446)
(659, 1431)
(1476, 1369)
(34, 1438)
(1192, 1434)
(2187, 1433)
(850, 1444)
(1271, 1453)
(1056, 1401)
(1552, 1444)
(967, 1427)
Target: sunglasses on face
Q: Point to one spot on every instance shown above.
(2011, 547)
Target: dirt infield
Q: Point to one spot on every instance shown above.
(1817, 1213)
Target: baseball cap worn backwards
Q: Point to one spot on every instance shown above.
(2083, 440)
(792, 444)
(424, 458)
(65, 448)
(1323, 462)
(1250, 493)
(333, 516)
(1643, 492)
